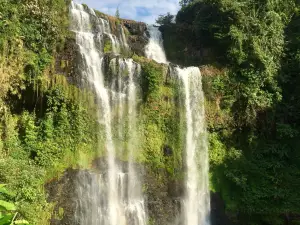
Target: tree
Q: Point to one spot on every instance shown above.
(117, 13)
(185, 2)
(165, 19)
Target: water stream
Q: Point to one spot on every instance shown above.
(196, 201)
(154, 49)
(113, 196)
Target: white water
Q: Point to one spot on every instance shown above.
(131, 194)
(123, 37)
(196, 201)
(114, 196)
(111, 197)
(155, 49)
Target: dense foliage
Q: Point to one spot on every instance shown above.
(46, 124)
(253, 105)
(7, 209)
(165, 19)
(253, 109)
(160, 122)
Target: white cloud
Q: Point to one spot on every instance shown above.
(140, 10)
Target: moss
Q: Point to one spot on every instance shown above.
(85, 6)
(54, 147)
(63, 64)
(126, 31)
(107, 46)
(118, 22)
(100, 14)
(160, 116)
(60, 212)
(152, 76)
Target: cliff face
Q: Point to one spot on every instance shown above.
(162, 124)
(249, 85)
(137, 38)
(49, 123)
(162, 197)
(160, 160)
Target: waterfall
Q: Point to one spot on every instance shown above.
(196, 201)
(155, 49)
(111, 196)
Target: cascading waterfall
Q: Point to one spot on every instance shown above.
(130, 187)
(154, 49)
(111, 197)
(196, 202)
(136, 207)
(114, 196)
(123, 38)
(93, 72)
(196, 199)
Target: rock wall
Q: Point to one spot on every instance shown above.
(162, 169)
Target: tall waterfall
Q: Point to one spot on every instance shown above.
(196, 201)
(112, 196)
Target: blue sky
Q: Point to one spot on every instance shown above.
(141, 10)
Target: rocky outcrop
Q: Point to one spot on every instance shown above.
(137, 44)
(162, 194)
(137, 39)
(218, 214)
(61, 192)
(66, 59)
(135, 28)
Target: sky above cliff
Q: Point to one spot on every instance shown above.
(141, 10)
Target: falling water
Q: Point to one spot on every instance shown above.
(93, 72)
(123, 37)
(154, 49)
(196, 199)
(196, 202)
(136, 209)
(113, 196)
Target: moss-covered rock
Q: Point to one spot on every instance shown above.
(162, 201)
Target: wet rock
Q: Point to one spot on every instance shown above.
(218, 215)
(162, 197)
(163, 204)
(137, 44)
(135, 28)
(61, 192)
(167, 150)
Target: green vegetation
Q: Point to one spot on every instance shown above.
(46, 124)
(251, 79)
(252, 91)
(165, 19)
(8, 214)
(38, 146)
(160, 122)
(107, 46)
(117, 15)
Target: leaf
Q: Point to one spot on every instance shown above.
(7, 206)
(21, 222)
(3, 190)
(6, 220)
